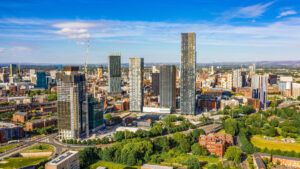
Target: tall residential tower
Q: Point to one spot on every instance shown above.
(70, 98)
(167, 85)
(114, 73)
(136, 84)
(188, 73)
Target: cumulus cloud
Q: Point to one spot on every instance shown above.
(286, 13)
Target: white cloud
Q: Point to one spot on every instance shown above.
(20, 49)
(286, 13)
(253, 11)
(2, 50)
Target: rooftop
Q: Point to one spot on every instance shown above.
(62, 157)
(155, 166)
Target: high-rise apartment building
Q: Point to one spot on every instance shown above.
(229, 81)
(95, 111)
(114, 73)
(188, 73)
(259, 85)
(70, 97)
(155, 84)
(136, 84)
(237, 78)
(167, 85)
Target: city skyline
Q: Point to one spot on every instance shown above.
(52, 32)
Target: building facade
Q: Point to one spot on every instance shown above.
(68, 160)
(41, 80)
(136, 84)
(188, 73)
(167, 85)
(216, 143)
(259, 85)
(95, 111)
(155, 84)
(70, 98)
(237, 80)
(114, 73)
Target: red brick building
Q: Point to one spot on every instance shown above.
(216, 143)
(255, 103)
(20, 117)
(40, 123)
(286, 161)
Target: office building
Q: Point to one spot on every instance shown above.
(136, 84)
(68, 160)
(10, 131)
(96, 111)
(155, 84)
(167, 85)
(13, 69)
(259, 85)
(70, 98)
(188, 73)
(41, 80)
(236, 78)
(114, 73)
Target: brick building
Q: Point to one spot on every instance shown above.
(40, 123)
(20, 117)
(255, 103)
(286, 161)
(216, 143)
(246, 91)
(10, 131)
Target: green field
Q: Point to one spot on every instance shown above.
(111, 165)
(39, 148)
(178, 159)
(8, 147)
(18, 162)
(258, 141)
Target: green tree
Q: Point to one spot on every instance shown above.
(231, 126)
(198, 150)
(233, 153)
(108, 116)
(193, 163)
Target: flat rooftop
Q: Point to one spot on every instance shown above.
(62, 157)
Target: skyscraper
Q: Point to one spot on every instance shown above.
(95, 111)
(259, 85)
(13, 69)
(188, 73)
(167, 85)
(114, 73)
(41, 81)
(136, 84)
(237, 78)
(155, 84)
(70, 98)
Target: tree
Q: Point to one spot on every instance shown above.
(231, 126)
(298, 98)
(107, 116)
(193, 163)
(233, 153)
(161, 144)
(88, 156)
(198, 150)
(196, 134)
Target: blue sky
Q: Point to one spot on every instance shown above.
(55, 31)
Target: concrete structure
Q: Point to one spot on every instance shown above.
(156, 110)
(216, 143)
(96, 111)
(295, 90)
(259, 85)
(188, 73)
(68, 160)
(231, 103)
(148, 166)
(155, 84)
(136, 84)
(70, 97)
(167, 85)
(114, 73)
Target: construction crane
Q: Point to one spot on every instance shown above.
(86, 86)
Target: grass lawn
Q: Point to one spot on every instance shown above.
(39, 148)
(178, 159)
(18, 162)
(258, 141)
(8, 147)
(111, 165)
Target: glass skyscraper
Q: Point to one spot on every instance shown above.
(114, 73)
(167, 85)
